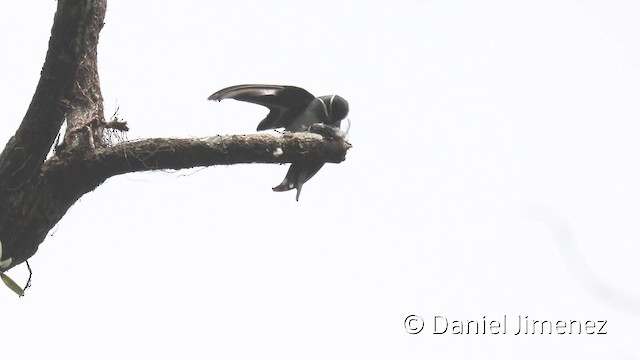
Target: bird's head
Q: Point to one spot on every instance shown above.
(337, 107)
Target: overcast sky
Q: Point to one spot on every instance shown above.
(494, 173)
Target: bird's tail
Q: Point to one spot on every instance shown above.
(298, 174)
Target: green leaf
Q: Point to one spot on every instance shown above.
(12, 284)
(5, 263)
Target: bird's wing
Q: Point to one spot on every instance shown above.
(285, 103)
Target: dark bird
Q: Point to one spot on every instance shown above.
(293, 109)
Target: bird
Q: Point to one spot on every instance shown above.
(294, 109)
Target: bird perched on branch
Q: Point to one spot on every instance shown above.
(295, 110)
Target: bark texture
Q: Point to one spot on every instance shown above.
(36, 192)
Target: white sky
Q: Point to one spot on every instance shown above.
(494, 172)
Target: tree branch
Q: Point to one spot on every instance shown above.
(93, 167)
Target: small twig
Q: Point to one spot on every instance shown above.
(28, 284)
